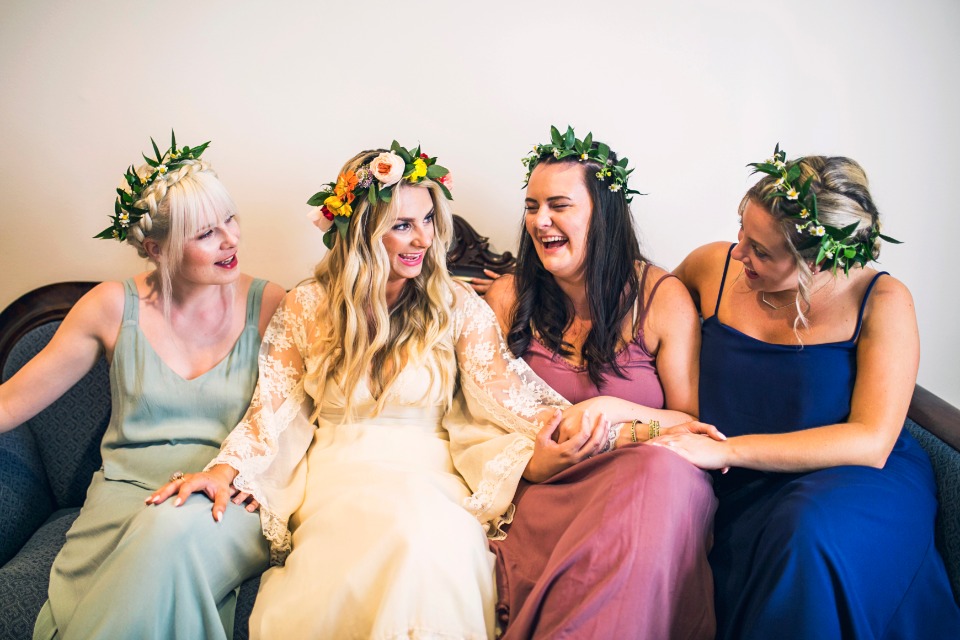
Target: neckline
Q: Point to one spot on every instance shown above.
(838, 343)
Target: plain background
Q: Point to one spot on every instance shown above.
(287, 91)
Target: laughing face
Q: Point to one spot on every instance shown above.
(210, 256)
(410, 236)
(768, 264)
(558, 209)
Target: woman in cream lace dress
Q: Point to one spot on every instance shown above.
(369, 375)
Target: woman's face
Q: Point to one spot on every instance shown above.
(210, 256)
(558, 209)
(767, 261)
(411, 234)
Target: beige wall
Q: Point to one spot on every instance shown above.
(689, 91)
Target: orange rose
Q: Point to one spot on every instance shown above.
(346, 183)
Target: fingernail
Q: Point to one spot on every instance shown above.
(178, 501)
(219, 516)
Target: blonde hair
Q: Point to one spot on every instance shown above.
(178, 205)
(358, 335)
(843, 198)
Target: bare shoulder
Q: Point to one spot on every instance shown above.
(890, 297)
(672, 306)
(501, 297)
(702, 260)
(273, 295)
(102, 305)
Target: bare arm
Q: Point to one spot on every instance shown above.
(888, 355)
(88, 330)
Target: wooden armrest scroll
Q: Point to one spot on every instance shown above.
(471, 254)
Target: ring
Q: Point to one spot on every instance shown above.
(176, 476)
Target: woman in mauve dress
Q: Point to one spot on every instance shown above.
(614, 546)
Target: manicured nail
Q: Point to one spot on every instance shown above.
(178, 501)
(219, 516)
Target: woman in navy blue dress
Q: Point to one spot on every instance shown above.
(825, 526)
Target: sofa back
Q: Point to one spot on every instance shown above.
(47, 462)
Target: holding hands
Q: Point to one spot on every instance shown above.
(552, 456)
(215, 483)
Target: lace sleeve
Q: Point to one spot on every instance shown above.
(268, 447)
(498, 409)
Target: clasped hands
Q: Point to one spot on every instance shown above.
(216, 483)
(582, 431)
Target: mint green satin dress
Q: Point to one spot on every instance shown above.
(129, 570)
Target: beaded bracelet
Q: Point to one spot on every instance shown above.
(633, 430)
(654, 429)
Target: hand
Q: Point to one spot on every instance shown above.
(549, 457)
(706, 453)
(215, 483)
(574, 416)
(481, 285)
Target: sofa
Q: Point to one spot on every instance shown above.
(46, 463)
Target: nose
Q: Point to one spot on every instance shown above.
(542, 219)
(231, 237)
(421, 237)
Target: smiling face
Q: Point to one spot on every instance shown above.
(210, 256)
(410, 236)
(768, 263)
(558, 210)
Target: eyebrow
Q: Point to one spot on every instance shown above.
(550, 199)
(408, 219)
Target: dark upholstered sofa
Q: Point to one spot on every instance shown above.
(46, 464)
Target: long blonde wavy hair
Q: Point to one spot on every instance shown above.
(359, 337)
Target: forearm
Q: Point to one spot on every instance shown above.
(810, 449)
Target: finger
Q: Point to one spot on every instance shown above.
(599, 436)
(493, 275)
(546, 433)
(220, 500)
(160, 495)
(253, 505)
(240, 497)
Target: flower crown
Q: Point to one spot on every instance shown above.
(839, 247)
(567, 145)
(376, 181)
(128, 208)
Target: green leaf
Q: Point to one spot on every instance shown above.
(403, 153)
(569, 138)
(840, 234)
(317, 199)
(197, 151)
(793, 173)
(446, 191)
(157, 151)
(436, 171)
(555, 136)
(329, 237)
(152, 163)
(588, 141)
(603, 151)
(342, 223)
(173, 140)
(820, 254)
(849, 253)
(385, 195)
(889, 239)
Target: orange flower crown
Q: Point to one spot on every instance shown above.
(375, 181)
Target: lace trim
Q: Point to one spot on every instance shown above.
(495, 472)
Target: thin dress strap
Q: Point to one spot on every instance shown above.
(863, 304)
(254, 296)
(636, 302)
(649, 300)
(131, 302)
(723, 279)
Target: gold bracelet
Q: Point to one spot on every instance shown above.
(654, 429)
(633, 430)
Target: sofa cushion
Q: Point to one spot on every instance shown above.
(946, 468)
(68, 432)
(23, 580)
(25, 496)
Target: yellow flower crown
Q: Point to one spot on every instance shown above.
(375, 181)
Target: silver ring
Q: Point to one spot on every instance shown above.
(176, 476)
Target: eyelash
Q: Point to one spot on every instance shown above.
(403, 226)
(209, 232)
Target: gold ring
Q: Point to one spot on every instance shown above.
(176, 476)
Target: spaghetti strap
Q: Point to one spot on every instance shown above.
(644, 268)
(723, 278)
(649, 300)
(863, 304)
(254, 296)
(131, 302)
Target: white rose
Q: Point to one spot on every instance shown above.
(387, 168)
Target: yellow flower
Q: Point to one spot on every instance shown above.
(338, 207)
(346, 183)
(419, 170)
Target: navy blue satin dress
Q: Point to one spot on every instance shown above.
(843, 552)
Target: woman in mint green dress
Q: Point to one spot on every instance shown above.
(182, 341)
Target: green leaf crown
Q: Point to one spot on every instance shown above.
(336, 198)
(567, 145)
(128, 208)
(840, 248)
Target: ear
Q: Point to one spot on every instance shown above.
(152, 249)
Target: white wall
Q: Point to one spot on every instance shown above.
(689, 91)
